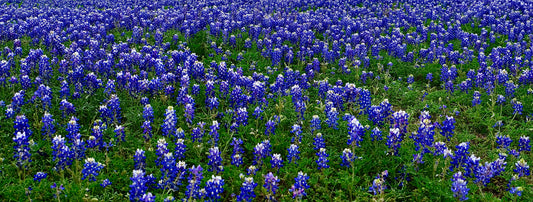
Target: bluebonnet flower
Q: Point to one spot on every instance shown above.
(148, 197)
(277, 161)
(500, 99)
(319, 142)
(114, 107)
(161, 150)
(521, 168)
(484, 173)
(22, 150)
(261, 150)
(471, 164)
(276, 56)
(147, 130)
(189, 113)
(195, 178)
(378, 185)
(169, 125)
(517, 107)
(198, 132)
(67, 108)
(477, 98)
(180, 149)
(247, 190)
(332, 118)
(299, 186)
(148, 113)
(215, 161)
(365, 100)
(270, 127)
(447, 127)
(213, 103)
(394, 140)
(459, 188)
(73, 128)
(139, 159)
(213, 188)
(356, 131)
(105, 183)
(510, 88)
(91, 169)
(322, 160)
(241, 116)
(258, 113)
(236, 158)
(503, 141)
(461, 155)
(297, 131)
(139, 185)
(376, 134)
(293, 153)
(48, 128)
(271, 185)
(429, 77)
(400, 120)
(425, 135)
(214, 132)
(347, 157)
(524, 144)
(120, 133)
(516, 190)
(61, 153)
(315, 123)
(252, 170)
(39, 176)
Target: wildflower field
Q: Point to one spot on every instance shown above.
(272, 100)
